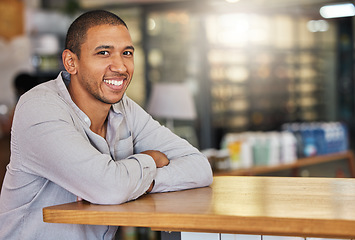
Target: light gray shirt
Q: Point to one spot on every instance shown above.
(55, 158)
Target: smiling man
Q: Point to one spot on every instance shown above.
(80, 137)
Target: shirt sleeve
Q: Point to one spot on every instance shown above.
(188, 168)
(49, 143)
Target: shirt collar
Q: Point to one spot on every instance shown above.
(63, 81)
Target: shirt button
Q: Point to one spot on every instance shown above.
(87, 120)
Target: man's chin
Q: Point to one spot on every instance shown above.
(111, 102)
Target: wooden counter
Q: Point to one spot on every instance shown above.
(312, 207)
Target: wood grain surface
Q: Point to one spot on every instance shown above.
(312, 207)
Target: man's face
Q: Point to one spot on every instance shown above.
(106, 64)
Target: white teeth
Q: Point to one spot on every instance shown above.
(114, 82)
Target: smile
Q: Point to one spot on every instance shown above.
(114, 82)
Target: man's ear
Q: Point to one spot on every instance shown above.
(69, 61)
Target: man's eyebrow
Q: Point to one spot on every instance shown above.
(130, 47)
(111, 47)
(103, 47)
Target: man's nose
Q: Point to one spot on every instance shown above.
(118, 65)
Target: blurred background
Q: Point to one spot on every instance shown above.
(247, 65)
(235, 70)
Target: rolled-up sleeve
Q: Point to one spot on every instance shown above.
(148, 174)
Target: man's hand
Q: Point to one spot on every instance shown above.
(160, 158)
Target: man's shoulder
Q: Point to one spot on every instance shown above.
(43, 94)
(42, 91)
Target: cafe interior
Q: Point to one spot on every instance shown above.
(262, 87)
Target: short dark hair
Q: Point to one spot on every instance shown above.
(77, 31)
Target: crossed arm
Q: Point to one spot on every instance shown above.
(160, 160)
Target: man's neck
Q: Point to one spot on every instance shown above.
(96, 111)
(99, 128)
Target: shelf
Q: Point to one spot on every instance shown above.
(302, 162)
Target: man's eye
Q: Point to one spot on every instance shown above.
(103, 53)
(128, 53)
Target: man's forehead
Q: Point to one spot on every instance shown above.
(107, 27)
(107, 35)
